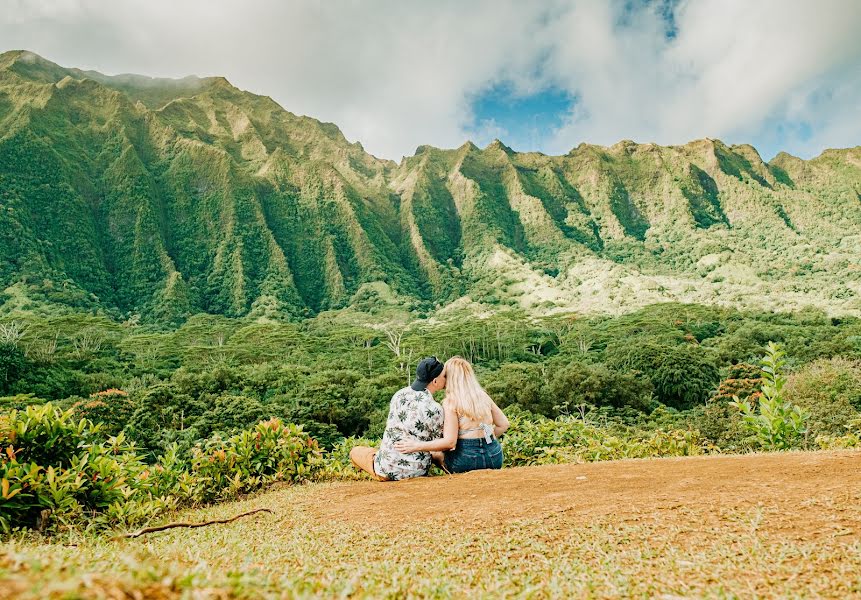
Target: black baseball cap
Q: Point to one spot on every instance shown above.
(427, 370)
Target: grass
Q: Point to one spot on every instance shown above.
(680, 551)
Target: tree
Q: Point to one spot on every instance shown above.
(683, 375)
(13, 364)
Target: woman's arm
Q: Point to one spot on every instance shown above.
(500, 421)
(447, 442)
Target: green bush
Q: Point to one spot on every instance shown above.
(112, 408)
(830, 391)
(720, 424)
(336, 464)
(576, 384)
(58, 471)
(55, 470)
(12, 365)
(520, 384)
(851, 437)
(535, 440)
(776, 423)
(270, 451)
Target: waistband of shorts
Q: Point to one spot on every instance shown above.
(475, 442)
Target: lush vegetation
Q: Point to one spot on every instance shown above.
(109, 424)
(57, 471)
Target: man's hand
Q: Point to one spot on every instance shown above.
(408, 446)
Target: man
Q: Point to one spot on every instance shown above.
(413, 413)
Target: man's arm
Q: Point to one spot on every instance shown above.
(447, 442)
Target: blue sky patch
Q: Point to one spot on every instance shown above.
(522, 122)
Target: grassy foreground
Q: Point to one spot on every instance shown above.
(686, 538)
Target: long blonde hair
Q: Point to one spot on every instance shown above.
(464, 393)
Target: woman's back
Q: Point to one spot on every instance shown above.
(469, 428)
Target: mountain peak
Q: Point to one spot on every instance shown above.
(468, 146)
(497, 145)
(32, 66)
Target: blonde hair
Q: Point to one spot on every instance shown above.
(464, 393)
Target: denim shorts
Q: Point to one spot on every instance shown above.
(473, 454)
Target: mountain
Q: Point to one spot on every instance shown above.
(166, 197)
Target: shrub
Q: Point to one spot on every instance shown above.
(112, 408)
(12, 366)
(521, 384)
(576, 384)
(535, 440)
(777, 424)
(53, 467)
(336, 463)
(743, 380)
(720, 423)
(850, 439)
(55, 470)
(270, 451)
(830, 391)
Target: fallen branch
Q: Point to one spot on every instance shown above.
(182, 524)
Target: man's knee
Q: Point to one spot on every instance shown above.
(362, 458)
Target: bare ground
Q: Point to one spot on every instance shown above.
(800, 495)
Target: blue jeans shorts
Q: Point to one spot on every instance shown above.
(473, 454)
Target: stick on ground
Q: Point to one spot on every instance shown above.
(182, 524)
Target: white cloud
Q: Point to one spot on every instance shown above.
(734, 69)
(398, 74)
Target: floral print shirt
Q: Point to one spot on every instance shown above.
(415, 415)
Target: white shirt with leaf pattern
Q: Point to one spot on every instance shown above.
(413, 415)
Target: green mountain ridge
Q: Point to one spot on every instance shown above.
(168, 197)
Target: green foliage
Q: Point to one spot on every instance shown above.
(851, 437)
(776, 423)
(742, 380)
(56, 471)
(111, 408)
(13, 363)
(573, 385)
(336, 464)
(521, 384)
(535, 440)
(829, 390)
(270, 451)
(682, 375)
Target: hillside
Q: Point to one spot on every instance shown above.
(766, 526)
(170, 197)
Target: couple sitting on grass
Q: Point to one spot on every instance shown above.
(458, 436)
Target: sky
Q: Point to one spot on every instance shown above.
(538, 75)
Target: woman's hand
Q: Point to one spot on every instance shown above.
(408, 446)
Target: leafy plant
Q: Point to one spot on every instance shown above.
(776, 422)
(58, 471)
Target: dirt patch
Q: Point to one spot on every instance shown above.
(800, 496)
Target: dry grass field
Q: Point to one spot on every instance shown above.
(782, 525)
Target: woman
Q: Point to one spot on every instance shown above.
(472, 423)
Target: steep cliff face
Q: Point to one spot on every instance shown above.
(166, 197)
(190, 195)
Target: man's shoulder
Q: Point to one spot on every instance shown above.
(403, 393)
(408, 393)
